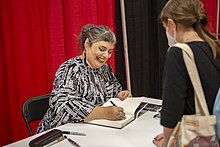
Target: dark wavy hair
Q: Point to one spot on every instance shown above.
(94, 34)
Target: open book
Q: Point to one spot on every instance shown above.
(132, 108)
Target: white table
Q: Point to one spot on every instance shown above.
(139, 133)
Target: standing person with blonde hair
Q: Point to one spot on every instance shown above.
(83, 83)
(185, 21)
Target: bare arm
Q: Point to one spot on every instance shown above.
(167, 133)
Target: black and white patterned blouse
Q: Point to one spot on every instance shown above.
(77, 90)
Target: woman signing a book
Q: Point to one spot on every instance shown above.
(83, 83)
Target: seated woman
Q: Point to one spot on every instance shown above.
(82, 84)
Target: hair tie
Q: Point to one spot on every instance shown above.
(196, 23)
(204, 21)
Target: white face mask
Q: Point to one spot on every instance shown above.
(171, 40)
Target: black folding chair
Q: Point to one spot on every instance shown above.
(34, 108)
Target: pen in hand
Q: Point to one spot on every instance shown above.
(113, 104)
(121, 113)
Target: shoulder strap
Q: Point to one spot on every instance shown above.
(200, 102)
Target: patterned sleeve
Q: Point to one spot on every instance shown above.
(67, 102)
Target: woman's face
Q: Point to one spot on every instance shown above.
(98, 53)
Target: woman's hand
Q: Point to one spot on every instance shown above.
(109, 112)
(114, 113)
(124, 94)
(158, 140)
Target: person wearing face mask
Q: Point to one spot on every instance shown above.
(83, 83)
(171, 40)
(185, 21)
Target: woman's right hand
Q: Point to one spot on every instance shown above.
(114, 113)
(109, 112)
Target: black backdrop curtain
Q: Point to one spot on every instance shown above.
(147, 46)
